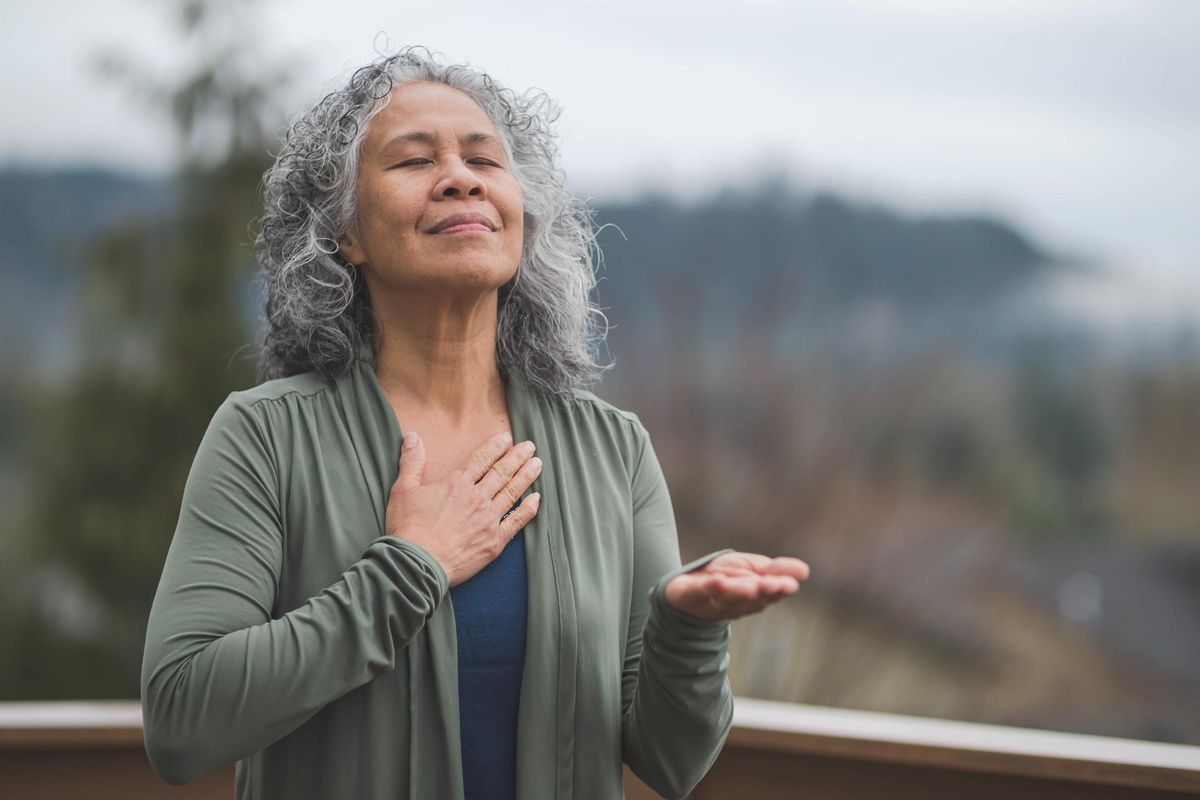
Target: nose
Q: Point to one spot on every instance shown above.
(459, 179)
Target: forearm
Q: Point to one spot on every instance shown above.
(210, 701)
(682, 707)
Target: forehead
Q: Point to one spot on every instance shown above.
(425, 105)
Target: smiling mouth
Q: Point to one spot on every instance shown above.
(468, 227)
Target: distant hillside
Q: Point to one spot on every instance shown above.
(795, 271)
(768, 258)
(45, 214)
(47, 217)
(823, 246)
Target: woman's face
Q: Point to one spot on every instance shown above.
(431, 153)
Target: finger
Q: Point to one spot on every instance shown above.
(786, 565)
(758, 564)
(740, 564)
(509, 492)
(412, 461)
(734, 586)
(778, 584)
(503, 470)
(772, 589)
(521, 516)
(740, 596)
(754, 560)
(721, 596)
(482, 459)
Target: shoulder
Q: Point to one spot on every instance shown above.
(303, 385)
(260, 408)
(583, 410)
(603, 408)
(601, 437)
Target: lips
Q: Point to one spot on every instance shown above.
(465, 221)
(474, 226)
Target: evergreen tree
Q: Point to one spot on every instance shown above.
(165, 302)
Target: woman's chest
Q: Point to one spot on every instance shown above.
(448, 449)
(336, 500)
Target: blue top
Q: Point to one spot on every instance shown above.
(489, 615)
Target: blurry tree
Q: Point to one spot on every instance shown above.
(1060, 424)
(165, 300)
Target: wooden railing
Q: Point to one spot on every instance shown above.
(775, 750)
(779, 750)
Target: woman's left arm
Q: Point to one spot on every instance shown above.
(677, 703)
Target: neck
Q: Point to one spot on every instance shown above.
(438, 354)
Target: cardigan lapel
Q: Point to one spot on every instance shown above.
(546, 712)
(373, 429)
(432, 657)
(546, 716)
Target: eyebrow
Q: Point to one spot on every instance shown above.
(425, 137)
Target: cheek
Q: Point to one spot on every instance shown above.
(515, 232)
(392, 202)
(394, 224)
(509, 197)
(516, 244)
(517, 227)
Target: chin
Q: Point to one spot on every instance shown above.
(480, 274)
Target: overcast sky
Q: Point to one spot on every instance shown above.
(1078, 120)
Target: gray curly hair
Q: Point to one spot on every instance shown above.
(318, 309)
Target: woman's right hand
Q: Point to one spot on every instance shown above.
(458, 519)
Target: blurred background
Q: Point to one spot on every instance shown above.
(909, 291)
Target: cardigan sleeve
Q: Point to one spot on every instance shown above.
(220, 678)
(677, 703)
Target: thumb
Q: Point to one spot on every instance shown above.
(412, 460)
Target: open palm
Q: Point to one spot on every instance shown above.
(735, 584)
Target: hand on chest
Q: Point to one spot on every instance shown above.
(448, 449)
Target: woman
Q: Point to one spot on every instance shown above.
(349, 612)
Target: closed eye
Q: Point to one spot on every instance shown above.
(412, 162)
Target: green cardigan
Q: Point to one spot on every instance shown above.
(291, 635)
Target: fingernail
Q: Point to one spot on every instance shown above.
(410, 440)
(536, 498)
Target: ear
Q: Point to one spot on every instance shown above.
(349, 248)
